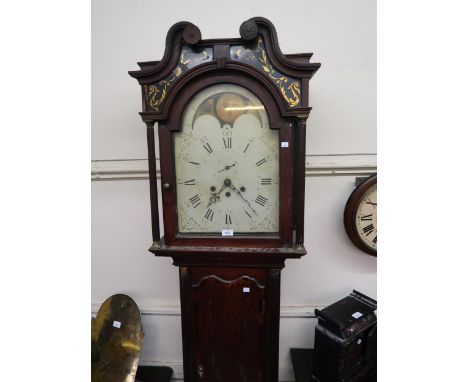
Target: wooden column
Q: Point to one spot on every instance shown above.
(153, 182)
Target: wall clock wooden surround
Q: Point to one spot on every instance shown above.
(231, 117)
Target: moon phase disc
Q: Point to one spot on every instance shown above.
(229, 107)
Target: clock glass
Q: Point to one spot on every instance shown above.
(366, 218)
(227, 164)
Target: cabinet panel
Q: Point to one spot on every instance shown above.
(229, 324)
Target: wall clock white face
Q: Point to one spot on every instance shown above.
(227, 164)
(366, 218)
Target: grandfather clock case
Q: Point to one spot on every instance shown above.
(231, 118)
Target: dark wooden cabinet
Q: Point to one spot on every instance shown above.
(346, 341)
(231, 117)
(230, 322)
(228, 313)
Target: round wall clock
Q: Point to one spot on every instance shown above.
(360, 216)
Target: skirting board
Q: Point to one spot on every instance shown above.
(316, 165)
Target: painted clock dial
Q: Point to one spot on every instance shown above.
(360, 216)
(227, 164)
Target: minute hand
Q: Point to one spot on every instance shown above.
(245, 200)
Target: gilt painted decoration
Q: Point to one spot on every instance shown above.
(156, 94)
(257, 57)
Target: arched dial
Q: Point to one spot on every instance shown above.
(366, 218)
(227, 164)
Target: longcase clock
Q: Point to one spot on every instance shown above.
(231, 117)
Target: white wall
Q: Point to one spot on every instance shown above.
(341, 144)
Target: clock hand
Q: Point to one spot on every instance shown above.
(215, 196)
(227, 168)
(245, 200)
(374, 204)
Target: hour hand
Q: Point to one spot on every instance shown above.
(215, 196)
(213, 199)
(227, 167)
